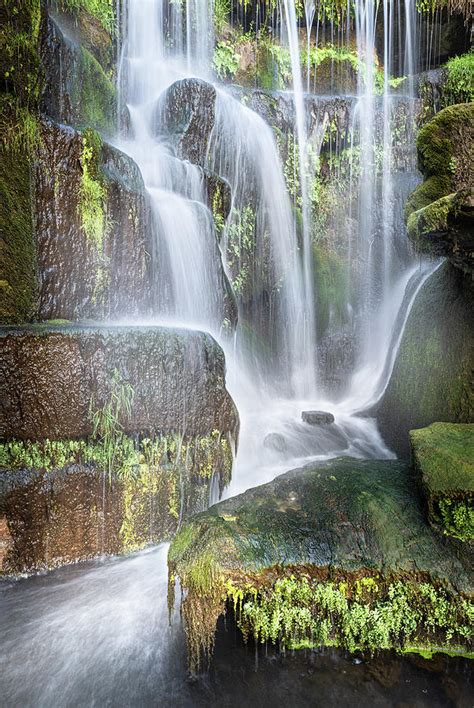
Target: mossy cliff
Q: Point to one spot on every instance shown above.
(440, 211)
(432, 376)
(332, 554)
(443, 456)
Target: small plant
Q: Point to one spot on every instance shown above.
(226, 60)
(106, 421)
(460, 82)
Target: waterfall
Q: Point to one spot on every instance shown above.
(257, 250)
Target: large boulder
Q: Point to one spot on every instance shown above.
(432, 375)
(50, 373)
(337, 553)
(110, 437)
(443, 455)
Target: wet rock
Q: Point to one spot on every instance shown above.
(440, 212)
(186, 113)
(49, 375)
(351, 527)
(275, 441)
(317, 417)
(443, 455)
(432, 374)
(76, 90)
(85, 272)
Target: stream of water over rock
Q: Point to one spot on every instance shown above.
(99, 635)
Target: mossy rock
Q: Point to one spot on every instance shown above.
(18, 286)
(443, 455)
(348, 530)
(432, 375)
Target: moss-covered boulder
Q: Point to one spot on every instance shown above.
(332, 554)
(443, 455)
(432, 375)
(440, 212)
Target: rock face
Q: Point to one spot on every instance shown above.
(432, 376)
(317, 417)
(443, 455)
(440, 211)
(49, 375)
(77, 90)
(329, 541)
(94, 229)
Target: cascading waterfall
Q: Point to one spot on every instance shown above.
(272, 363)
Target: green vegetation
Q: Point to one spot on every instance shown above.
(93, 194)
(460, 81)
(101, 10)
(106, 425)
(20, 137)
(93, 95)
(457, 518)
(365, 614)
(226, 60)
(443, 454)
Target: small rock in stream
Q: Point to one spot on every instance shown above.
(275, 441)
(317, 417)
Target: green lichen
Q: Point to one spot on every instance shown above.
(93, 95)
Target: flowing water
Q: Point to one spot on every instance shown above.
(98, 634)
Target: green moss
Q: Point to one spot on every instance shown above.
(94, 95)
(432, 219)
(457, 518)
(367, 614)
(460, 80)
(438, 140)
(429, 191)
(93, 194)
(19, 135)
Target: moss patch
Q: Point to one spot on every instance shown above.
(443, 455)
(17, 251)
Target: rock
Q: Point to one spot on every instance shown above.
(317, 417)
(76, 89)
(186, 114)
(49, 375)
(108, 271)
(295, 555)
(443, 456)
(440, 212)
(432, 375)
(275, 441)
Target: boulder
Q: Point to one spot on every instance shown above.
(49, 375)
(186, 114)
(317, 417)
(337, 553)
(432, 375)
(443, 455)
(440, 212)
(275, 441)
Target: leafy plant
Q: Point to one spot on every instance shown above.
(460, 82)
(106, 421)
(226, 60)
